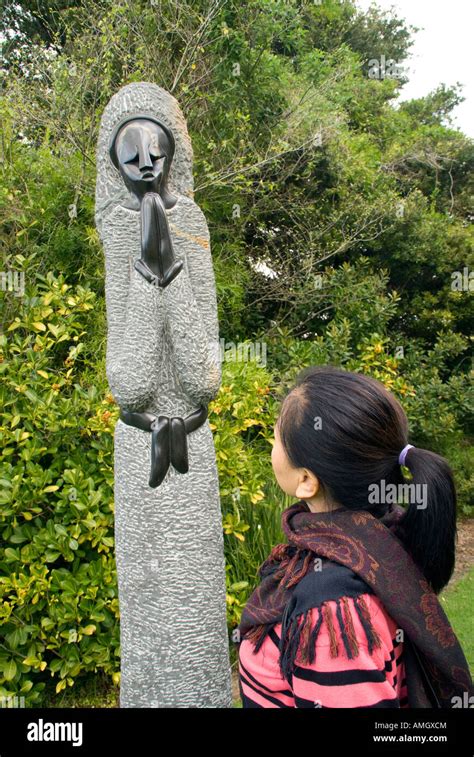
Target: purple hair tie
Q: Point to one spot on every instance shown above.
(403, 454)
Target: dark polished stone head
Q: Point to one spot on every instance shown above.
(142, 149)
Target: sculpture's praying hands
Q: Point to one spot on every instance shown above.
(156, 247)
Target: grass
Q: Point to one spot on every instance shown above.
(457, 602)
(91, 691)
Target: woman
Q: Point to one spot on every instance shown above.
(346, 614)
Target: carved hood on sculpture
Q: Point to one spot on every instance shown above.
(140, 99)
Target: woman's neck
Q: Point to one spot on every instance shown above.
(319, 505)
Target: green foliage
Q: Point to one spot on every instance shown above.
(58, 584)
(241, 418)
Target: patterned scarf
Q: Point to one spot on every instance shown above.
(437, 672)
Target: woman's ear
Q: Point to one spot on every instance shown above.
(308, 484)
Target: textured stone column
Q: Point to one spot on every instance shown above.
(163, 358)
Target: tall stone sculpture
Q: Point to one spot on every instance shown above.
(163, 367)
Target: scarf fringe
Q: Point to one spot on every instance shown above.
(298, 637)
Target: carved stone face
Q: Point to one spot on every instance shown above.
(144, 155)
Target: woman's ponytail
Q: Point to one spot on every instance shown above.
(429, 524)
(358, 449)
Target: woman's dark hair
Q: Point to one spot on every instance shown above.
(349, 431)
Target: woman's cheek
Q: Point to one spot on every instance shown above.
(278, 470)
(276, 464)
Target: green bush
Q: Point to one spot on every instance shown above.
(58, 585)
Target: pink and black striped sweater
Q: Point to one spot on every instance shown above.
(357, 649)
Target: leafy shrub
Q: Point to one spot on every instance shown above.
(58, 584)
